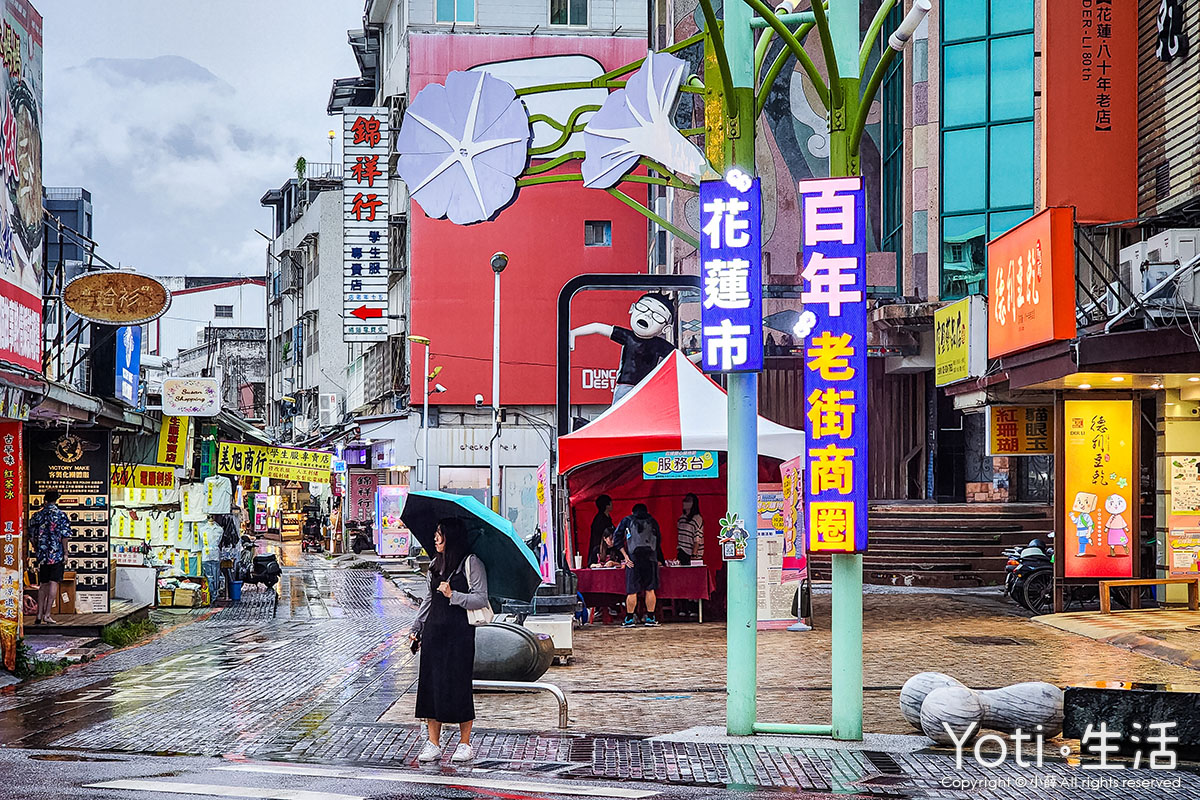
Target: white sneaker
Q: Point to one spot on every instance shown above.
(463, 753)
(430, 752)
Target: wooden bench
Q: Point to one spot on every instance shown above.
(1193, 585)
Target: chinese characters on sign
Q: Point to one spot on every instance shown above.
(1020, 430)
(1172, 41)
(833, 238)
(142, 476)
(679, 464)
(731, 323)
(173, 440)
(280, 463)
(12, 505)
(545, 517)
(958, 340)
(1100, 487)
(1096, 31)
(365, 224)
(1029, 268)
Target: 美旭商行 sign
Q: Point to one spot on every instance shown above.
(282, 463)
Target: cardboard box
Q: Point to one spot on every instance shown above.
(64, 601)
(166, 597)
(186, 598)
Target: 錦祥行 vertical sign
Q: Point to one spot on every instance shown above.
(365, 224)
(731, 317)
(833, 240)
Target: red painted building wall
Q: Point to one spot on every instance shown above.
(542, 232)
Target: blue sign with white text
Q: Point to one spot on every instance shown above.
(129, 365)
(731, 320)
(834, 244)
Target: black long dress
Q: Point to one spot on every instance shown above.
(447, 658)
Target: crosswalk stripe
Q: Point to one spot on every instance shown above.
(500, 784)
(220, 790)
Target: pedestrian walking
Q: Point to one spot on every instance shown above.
(446, 639)
(49, 529)
(641, 544)
(690, 529)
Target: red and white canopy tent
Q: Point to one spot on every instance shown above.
(677, 407)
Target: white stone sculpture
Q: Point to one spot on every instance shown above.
(931, 700)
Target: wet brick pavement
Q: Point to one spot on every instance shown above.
(321, 676)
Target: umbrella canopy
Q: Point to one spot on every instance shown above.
(676, 407)
(512, 571)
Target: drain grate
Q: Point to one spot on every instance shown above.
(883, 762)
(989, 641)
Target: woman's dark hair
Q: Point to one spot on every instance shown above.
(446, 563)
(52, 496)
(695, 505)
(602, 502)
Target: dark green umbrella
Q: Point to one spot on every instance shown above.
(512, 570)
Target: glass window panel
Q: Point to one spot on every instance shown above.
(1012, 77)
(964, 268)
(1005, 221)
(466, 10)
(1011, 165)
(558, 12)
(579, 12)
(964, 84)
(964, 170)
(445, 10)
(964, 19)
(1009, 16)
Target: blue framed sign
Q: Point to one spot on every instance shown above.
(731, 320)
(671, 464)
(833, 240)
(129, 365)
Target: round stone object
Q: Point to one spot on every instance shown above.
(915, 689)
(954, 706)
(1024, 706)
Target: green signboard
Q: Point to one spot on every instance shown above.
(679, 464)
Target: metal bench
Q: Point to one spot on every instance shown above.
(1193, 585)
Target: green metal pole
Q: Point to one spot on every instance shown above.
(741, 638)
(847, 616)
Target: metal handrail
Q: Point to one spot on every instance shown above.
(519, 686)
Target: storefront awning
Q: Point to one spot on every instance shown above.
(676, 407)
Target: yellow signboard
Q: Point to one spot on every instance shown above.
(1020, 430)
(952, 342)
(281, 463)
(142, 476)
(173, 441)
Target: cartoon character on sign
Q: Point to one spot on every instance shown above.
(642, 345)
(1085, 527)
(1118, 529)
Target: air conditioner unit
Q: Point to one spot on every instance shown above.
(327, 411)
(1130, 260)
(1166, 252)
(1112, 303)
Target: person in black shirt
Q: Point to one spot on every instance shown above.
(642, 346)
(602, 526)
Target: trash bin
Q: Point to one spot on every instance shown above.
(235, 591)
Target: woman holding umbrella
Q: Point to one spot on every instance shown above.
(457, 583)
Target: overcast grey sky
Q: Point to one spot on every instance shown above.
(178, 116)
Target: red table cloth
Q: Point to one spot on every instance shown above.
(674, 583)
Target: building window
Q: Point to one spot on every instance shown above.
(597, 233)
(313, 343)
(451, 11)
(987, 134)
(223, 312)
(569, 12)
(892, 154)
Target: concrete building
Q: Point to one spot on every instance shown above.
(199, 303)
(441, 284)
(237, 358)
(306, 356)
(69, 249)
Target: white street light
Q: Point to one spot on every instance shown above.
(908, 25)
(498, 261)
(424, 412)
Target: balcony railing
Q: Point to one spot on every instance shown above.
(322, 171)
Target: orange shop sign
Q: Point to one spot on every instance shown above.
(1031, 283)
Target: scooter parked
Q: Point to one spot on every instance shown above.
(362, 538)
(262, 569)
(1029, 578)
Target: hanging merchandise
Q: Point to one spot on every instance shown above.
(218, 495)
(192, 501)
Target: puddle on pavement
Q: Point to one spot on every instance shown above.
(71, 757)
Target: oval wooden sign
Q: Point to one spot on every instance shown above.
(116, 297)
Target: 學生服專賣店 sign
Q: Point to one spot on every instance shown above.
(281, 463)
(731, 320)
(833, 239)
(679, 464)
(365, 209)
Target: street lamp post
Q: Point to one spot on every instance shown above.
(424, 413)
(332, 135)
(499, 261)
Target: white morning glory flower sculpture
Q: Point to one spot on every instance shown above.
(463, 145)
